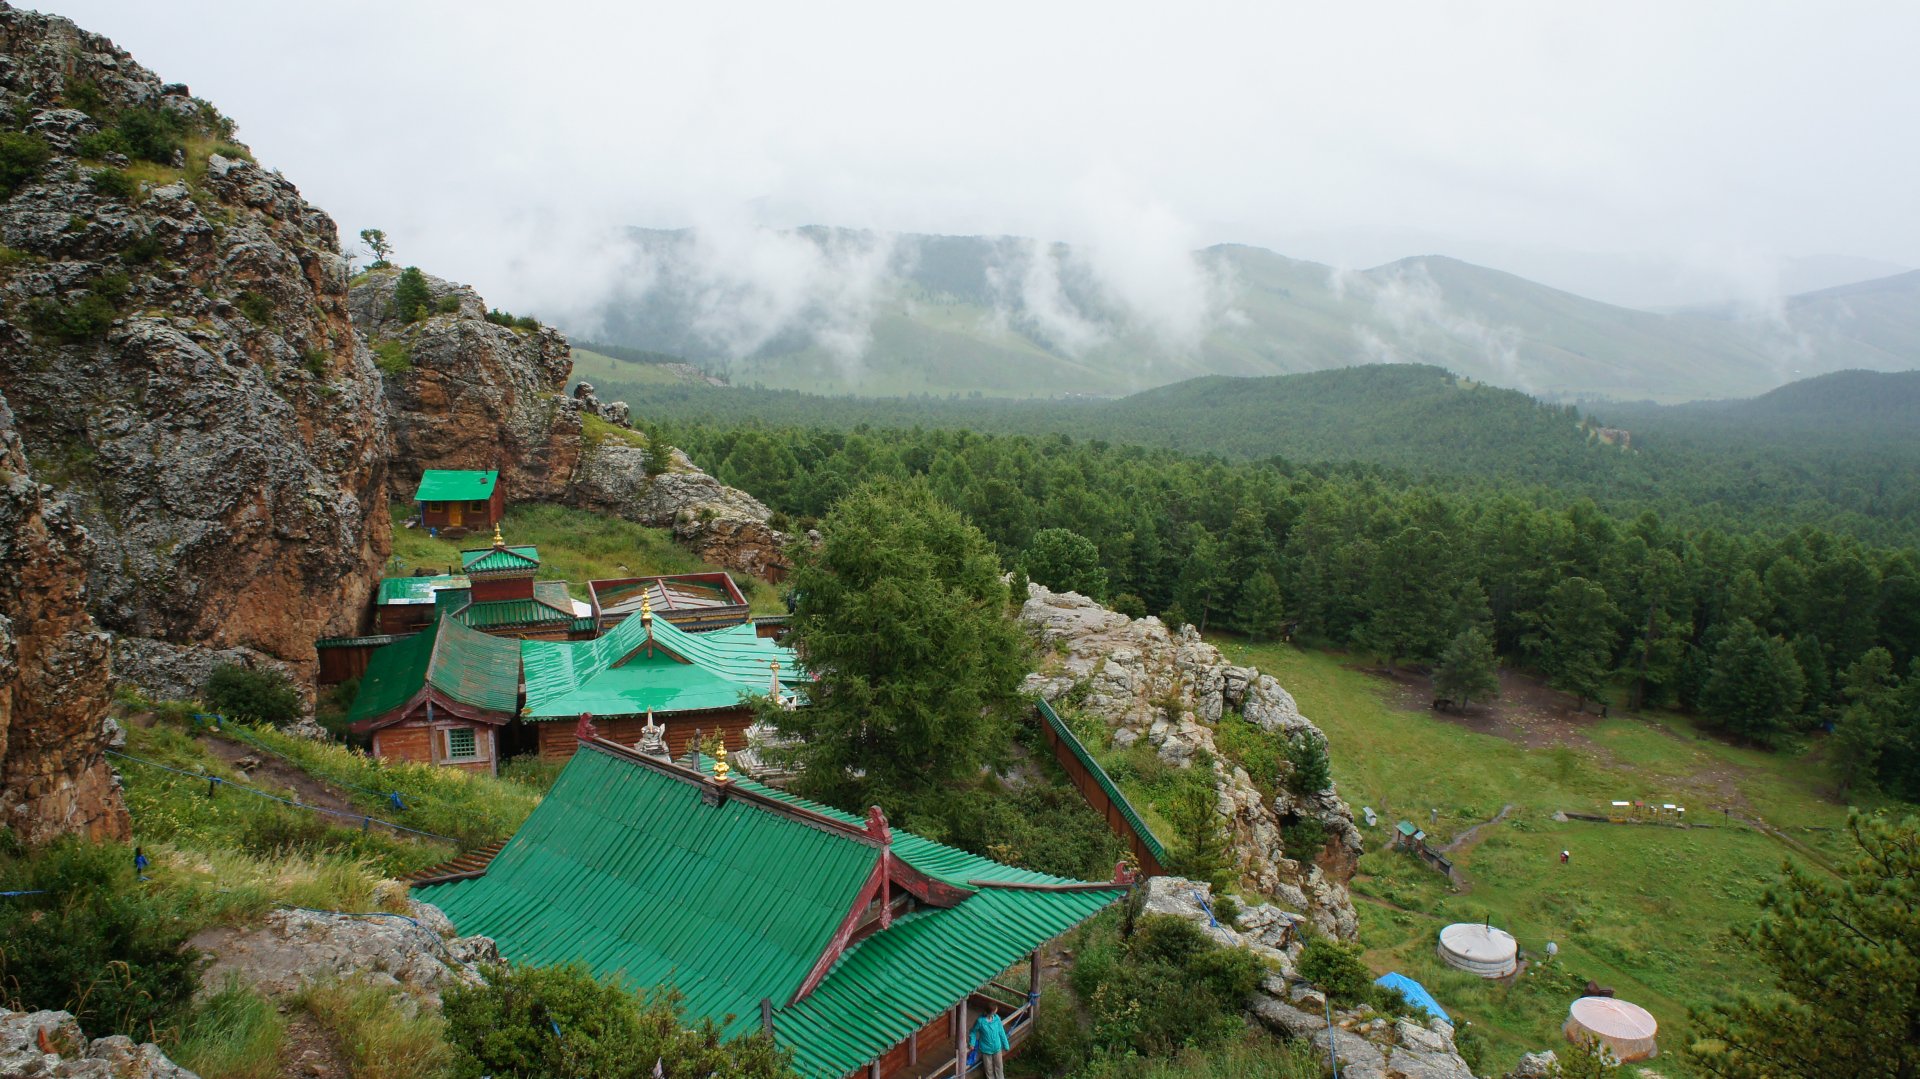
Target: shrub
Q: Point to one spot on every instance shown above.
(258, 308)
(1303, 836)
(115, 184)
(315, 361)
(1337, 970)
(506, 1028)
(151, 133)
(392, 358)
(1312, 770)
(262, 694)
(84, 319)
(448, 304)
(94, 943)
(22, 155)
(145, 248)
(412, 299)
(85, 95)
(1169, 985)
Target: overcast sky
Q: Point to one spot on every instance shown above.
(1650, 152)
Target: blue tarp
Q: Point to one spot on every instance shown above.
(1415, 993)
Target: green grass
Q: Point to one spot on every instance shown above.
(1646, 910)
(234, 1034)
(384, 1032)
(575, 546)
(601, 369)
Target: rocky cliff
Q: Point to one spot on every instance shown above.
(463, 392)
(54, 777)
(176, 346)
(1170, 690)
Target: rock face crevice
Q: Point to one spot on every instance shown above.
(1170, 690)
(219, 435)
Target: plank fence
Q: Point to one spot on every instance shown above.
(1100, 791)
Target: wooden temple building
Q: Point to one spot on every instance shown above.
(866, 951)
(450, 499)
(692, 601)
(647, 672)
(440, 696)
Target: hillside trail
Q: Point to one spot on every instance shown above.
(263, 769)
(1464, 838)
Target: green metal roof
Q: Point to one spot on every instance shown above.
(453, 485)
(623, 866)
(566, 678)
(404, 590)
(550, 603)
(466, 665)
(500, 559)
(1100, 776)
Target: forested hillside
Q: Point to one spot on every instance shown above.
(1777, 462)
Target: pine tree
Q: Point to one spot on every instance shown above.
(1577, 650)
(1065, 561)
(1845, 958)
(902, 616)
(1415, 590)
(1866, 724)
(1312, 770)
(1755, 683)
(1200, 841)
(1468, 669)
(1259, 613)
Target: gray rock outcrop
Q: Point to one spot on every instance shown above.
(51, 1044)
(296, 948)
(1170, 690)
(176, 348)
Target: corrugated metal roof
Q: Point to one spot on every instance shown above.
(1100, 776)
(566, 678)
(408, 590)
(454, 485)
(360, 642)
(500, 559)
(465, 664)
(624, 867)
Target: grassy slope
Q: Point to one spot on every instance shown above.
(1643, 909)
(597, 368)
(575, 547)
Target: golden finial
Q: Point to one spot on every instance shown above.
(497, 541)
(646, 608)
(720, 768)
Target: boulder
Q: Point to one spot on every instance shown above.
(295, 948)
(1539, 1065)
(51, 1044)
(1285, 1019)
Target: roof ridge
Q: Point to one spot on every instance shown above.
(735, 792)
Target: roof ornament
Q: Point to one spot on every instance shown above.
(499, 544)
(877, 825)
(646, 610)
(585, 731)
(653, 739)
(774, 666)
(720, 767)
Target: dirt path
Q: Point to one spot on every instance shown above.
(263, 769)
(1466, 837)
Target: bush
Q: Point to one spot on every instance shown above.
(1312, 770)
(264, 695)
(145, 248)
(315, 361)
(1337, 970)
(257, 308)
(1168, 986)
(85, 319)
(506, 1028)
(392, 358)
(1302, 836)
(448, 304)
(22, 156)
(412, 299)
(94, 943)
(114, 184)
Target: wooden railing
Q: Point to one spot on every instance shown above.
(1100, 791)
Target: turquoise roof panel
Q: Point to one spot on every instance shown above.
(636, 667)
(500, 559)
(412, 590)
(456, 485)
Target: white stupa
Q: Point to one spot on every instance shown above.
(1481, 949)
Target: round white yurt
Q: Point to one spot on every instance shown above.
(1627, 1029)
(1482, 949)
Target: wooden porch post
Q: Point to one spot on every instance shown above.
(960, 1040)
(873, 1069)
(913, 1048)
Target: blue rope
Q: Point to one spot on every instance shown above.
(36, 891)
(1211, 920)
(215, 782)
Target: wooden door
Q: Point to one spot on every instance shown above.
(453, 513)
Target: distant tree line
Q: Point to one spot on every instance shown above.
(1764, 635)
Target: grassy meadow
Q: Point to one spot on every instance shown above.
(575, 546)
(1643, 909)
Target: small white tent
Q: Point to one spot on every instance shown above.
(1627, 1029)
(1481, 949)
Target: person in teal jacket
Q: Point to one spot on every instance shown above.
(989, 1037)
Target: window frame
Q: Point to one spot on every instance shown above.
(473, 738)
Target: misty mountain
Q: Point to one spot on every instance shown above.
(836, 310)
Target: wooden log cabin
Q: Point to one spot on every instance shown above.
(455, 499)
(648, 669)
(864, 950)
(440, 696)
